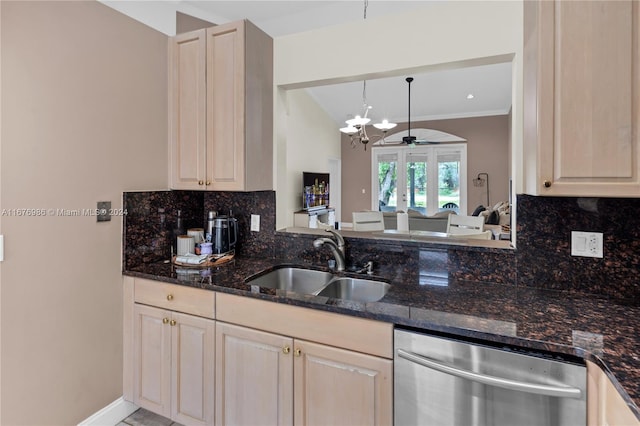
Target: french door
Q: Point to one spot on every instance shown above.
(423, 178)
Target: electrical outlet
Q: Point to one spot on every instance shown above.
(255, 222)
(587, 244)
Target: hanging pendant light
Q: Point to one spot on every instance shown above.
(357, 127)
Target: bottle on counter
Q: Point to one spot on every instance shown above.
(211, 218)
(179, 229)
(161, 242)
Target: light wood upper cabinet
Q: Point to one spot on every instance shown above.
(221, 124)
(582, 98)
(187, 103)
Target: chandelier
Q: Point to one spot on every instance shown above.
(357, 127)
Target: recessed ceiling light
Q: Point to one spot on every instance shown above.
(470, 96)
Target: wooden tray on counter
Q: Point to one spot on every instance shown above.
(214, 260)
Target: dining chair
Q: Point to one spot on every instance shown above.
(485, 235)
(368, 221)
(459, 224)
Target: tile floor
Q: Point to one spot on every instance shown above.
(143, 417)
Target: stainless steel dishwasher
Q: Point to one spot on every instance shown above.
(440, 381)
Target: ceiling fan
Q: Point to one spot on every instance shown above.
(411, 140)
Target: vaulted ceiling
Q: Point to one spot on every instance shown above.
(435, 95)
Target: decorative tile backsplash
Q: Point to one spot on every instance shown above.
(544, 245)
(148, 226)
(542, 260)
(149, 222)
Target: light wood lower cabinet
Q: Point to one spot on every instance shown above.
(338, 387)
(169, 355)
(606, 407)
(284, 379)
(174, 364)
(254, 377)
(260, 363)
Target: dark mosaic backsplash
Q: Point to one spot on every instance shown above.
(544, 245)
(542, 260)
(243, 205)
(151, 218)
(416, 263)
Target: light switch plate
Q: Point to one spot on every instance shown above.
(103, 211)
(587, 244)
(255, 222)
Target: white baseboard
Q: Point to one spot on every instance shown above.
(110, 415)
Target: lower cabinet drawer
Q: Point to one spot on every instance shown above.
(342, 331)
(174, 297)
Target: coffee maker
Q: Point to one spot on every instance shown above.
(224, 234)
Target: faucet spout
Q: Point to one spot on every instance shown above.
(337, 249)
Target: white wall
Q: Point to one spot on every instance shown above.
(441, 33)
(84, 118)
(312, 138)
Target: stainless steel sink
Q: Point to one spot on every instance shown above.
(299, 280)
(320, 283)
(356, 289)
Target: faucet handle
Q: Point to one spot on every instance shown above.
(338, 237)
(369, 267)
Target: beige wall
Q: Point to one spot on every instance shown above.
(84, 117)
(460, 32)
(487, 151)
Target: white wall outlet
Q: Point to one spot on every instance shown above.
(255, 222)
(587, 244)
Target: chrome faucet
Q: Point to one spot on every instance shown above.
(336, 247)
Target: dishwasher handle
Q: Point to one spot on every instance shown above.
(555, 391)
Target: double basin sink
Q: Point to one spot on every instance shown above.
(320, 283)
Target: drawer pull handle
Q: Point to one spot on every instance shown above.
(170, 297)
(165, 320)
(286, 350)
(172, 322)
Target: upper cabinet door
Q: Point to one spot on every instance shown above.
(221, 109)
(187, 100)
(225, 105)
(582, 98)
(239, 108)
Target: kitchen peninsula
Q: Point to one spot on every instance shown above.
(440, 288)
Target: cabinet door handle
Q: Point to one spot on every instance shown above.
(547, 184)
(297, 352)
(200, 182)
(208, 182)
(165, 320)
(286, 350)
(169, 297)
(172, 322)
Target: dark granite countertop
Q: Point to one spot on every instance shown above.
(596, 328)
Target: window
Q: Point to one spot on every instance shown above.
(424, 178)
